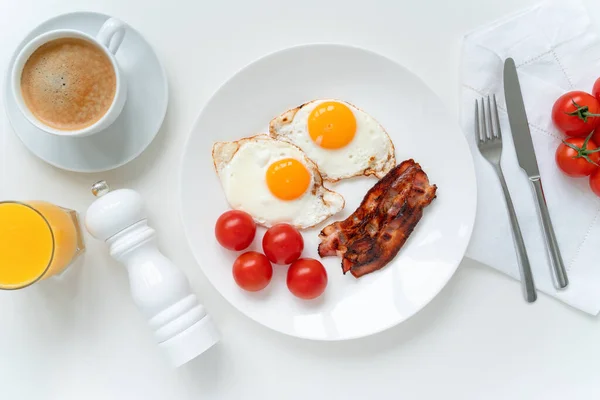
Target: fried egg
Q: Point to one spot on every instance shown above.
(341, 139)
(274, 182)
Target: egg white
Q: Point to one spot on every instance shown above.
(371, 151)
(242, 166)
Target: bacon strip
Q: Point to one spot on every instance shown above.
(372, 236)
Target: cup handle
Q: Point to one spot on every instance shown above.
(111, 34)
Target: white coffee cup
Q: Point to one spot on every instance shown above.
(109, 39)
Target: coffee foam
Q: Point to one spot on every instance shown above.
(68, 84)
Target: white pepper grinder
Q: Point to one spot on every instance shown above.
(160, 290)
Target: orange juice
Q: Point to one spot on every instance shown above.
(37, 240)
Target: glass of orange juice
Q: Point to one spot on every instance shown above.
(38, 240)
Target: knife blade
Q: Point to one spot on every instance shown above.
(521, 134)
(518, 120)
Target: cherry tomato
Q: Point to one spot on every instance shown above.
(595, 182)
(596, 93)
(576, 113)
(574, 158)
(282, 244)
(235, 230)
(596, 90)
(307, 278)
(596, 136)
(252, 271)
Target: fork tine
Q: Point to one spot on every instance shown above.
(491, 132)
(477, 128)
(497, 119)
(488, 120)
(484, 129)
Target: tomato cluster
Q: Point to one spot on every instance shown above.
(282, 244)
(577, 115)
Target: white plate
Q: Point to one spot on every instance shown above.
(130, 134)
(420, 127)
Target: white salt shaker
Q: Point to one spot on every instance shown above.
(159, 289)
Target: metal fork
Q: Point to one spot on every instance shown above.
(489, 141)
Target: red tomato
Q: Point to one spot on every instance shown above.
(252, 271)
(596, 93)
(577, 161)
(235, 230)
(282, 244)
(576, 113)
(307, 278)
(596, 136)
(595, 182)
(596, 90)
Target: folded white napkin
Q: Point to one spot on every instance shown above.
(556, 50)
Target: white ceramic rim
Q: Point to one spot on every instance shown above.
(192, 245)
(29, 49)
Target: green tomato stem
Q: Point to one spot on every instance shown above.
(583, 152)
(581, 112)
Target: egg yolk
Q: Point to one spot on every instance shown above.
(288, 179)
(331, 125)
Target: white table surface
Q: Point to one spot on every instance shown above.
(84, 339)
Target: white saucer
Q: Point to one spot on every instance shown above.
(131, 133)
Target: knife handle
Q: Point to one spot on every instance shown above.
(558, 267)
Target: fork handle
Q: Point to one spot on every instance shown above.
(527, 282)
(556, 261)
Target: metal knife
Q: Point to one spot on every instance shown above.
(528, 162)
